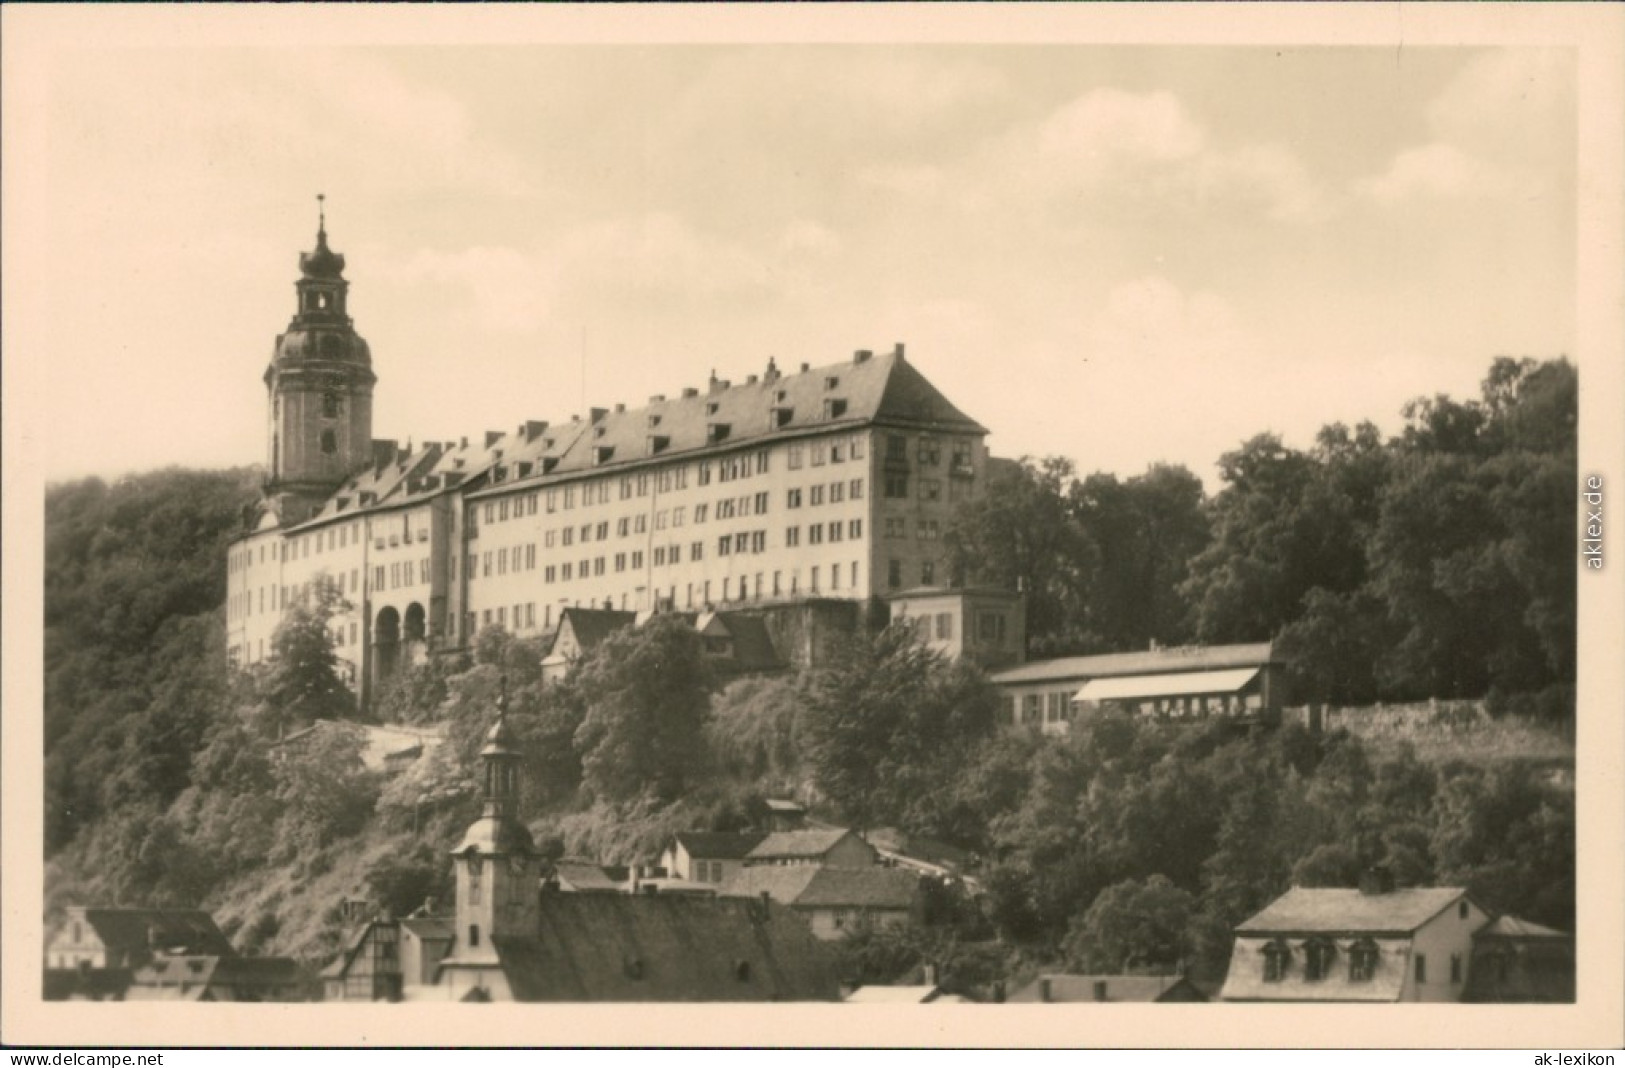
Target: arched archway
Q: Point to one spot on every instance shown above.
(386, 640)
(415, 622)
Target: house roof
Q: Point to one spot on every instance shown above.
(811, 886)
(583, 875)
(1513, 927)
(1074, 988)
(792, 845)
(883, 389)
(1143, 662)
(1245, 980)
(430, 928)
(1228, 680)
(894, 995)
(183, 978)
(718, 845)
(1328, 910)
(591, 625)
(625, 947)
(143, 930)
(777, 804)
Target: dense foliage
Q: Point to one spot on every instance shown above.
(1437, 563)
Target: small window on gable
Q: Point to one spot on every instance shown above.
(1462, 910)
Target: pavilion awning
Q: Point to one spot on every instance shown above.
(1179, 685)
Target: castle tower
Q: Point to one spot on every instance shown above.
(498, 878)
(319, 388)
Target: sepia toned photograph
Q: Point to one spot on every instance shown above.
(1030, 521)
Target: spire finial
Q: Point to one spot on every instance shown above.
(502, 697)
(321, 213)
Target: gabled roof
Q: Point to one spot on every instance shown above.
(883, 389)
(1333, 910)
(719, 845)
(624, 947)
(591, 625)
(430, 928)
(811, 886)
(1143, 662)
(1098, 988)
(797, 845)
(143, 930)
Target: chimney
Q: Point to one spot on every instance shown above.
(690, 392)
(492, 437)
(619, 408)
(750, 380)
(534, 428)
(658, 398)
(718, 385)
(1100, 990)
(898, 351)
(772, 372)
(862, 356)
(806, 367)
(464, 444)
(929, 974)
(1045, 991)
(596, 415)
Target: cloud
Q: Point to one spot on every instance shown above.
(510, 291)
(1434, 170)
(1150, 320)
(659, 254)
(1502, 127)
(805, 239)
(1150, 147)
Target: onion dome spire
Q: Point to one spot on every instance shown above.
(324, 262)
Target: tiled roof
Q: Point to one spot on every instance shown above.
(581, 875)
(624, 947)
(805, 844)
(1072, 988)
(592, 625)
(881, 389)
(135, 930)
(811, 886)
(718, 845)
(1332, 910)
(1144, 662)
(1245, 980)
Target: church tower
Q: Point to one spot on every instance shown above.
(498, 876)
(319, 387)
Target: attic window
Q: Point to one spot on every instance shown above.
(1276, 958)
(658, 443)
(710, 407)
(782, 417)
(598, 431)
(1362, 960)
(832, 382)
(603, 454)
(834, 408)
(654, 420)
(718, 432)
(1318, 955)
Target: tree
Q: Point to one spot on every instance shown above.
(1019, 534)
(302, 681)
(1134, 924)
(646, 693)
(888, 722)
(325, 790)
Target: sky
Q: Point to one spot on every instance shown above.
(1121, 254)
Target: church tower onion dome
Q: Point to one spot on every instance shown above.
(324, 262)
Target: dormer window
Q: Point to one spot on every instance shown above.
(1276, 959)
(603, 454)
(1318, 954)
(654, 420)
(782, 417)
(717, 432)
(834, 408)
(832, 382)
(710, 407)
(1362, 960)
(657, 444)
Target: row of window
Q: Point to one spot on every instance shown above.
(894, 573)
(816, 532)
(819, 453)
(1320, 959)
(924, 529)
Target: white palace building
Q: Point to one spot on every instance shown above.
(831, 483)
